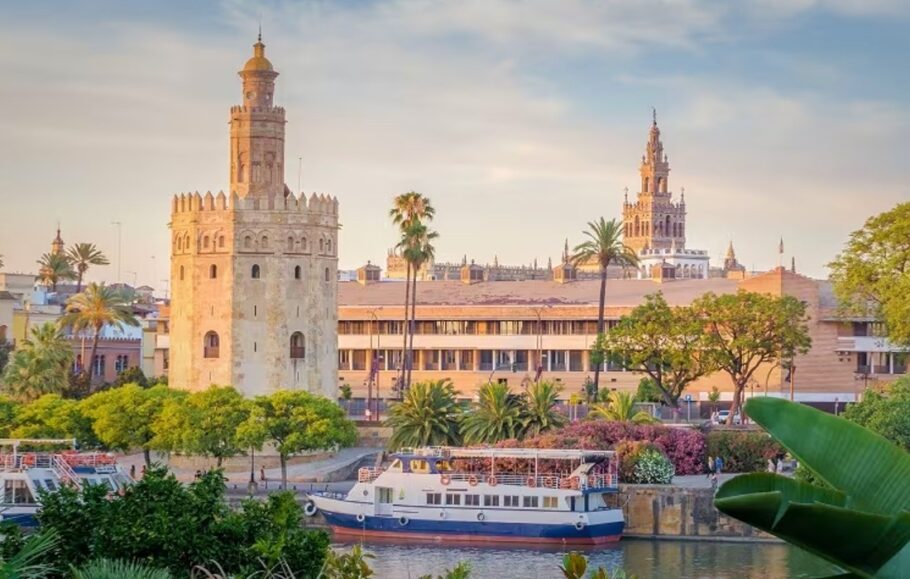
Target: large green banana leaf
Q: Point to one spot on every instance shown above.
(864, 525)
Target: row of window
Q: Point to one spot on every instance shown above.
(99, 363)
(474, 500)
(476, 328)
(474, 360)
(255, 272)
(182, 243)
(211, 346)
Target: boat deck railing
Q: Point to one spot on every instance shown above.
(56, 460)
(553, 481)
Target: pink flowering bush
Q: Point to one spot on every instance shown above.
(684, 447)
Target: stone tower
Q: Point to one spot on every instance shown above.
(254, 271)
(654, 221)
(57, 244)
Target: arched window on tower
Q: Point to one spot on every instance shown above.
(255, 271)
(181, 273)
(674, 230)
(644, 186)
(667, 226)
(213, 271)
(220, 241)
(179, 243)
(210, 345)
(326, 274)
(298, 272)
(321, 246)
(298, 346)
(661, 185)
(205, 242)
(303, 244)
(186, 242)
(637, 227)
(264, 243)
(248, 242)
(290, 244)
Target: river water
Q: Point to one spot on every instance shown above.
(645, 559)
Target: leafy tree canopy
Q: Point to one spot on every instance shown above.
(54, 417)
(887, 413)
(41, 365)
(497, 414)
(872, 274)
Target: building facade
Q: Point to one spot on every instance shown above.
(253, 271)
(516, 332)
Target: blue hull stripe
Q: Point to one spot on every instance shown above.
(516, 530)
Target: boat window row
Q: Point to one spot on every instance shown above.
(474, 500)
(474, 327)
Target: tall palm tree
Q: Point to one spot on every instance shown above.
(428, 415)
(620, 407)
(496, 415)
(407, 209)
(82, 256)
(55, 267)
(96, 307)
(540, 408)
(417, 250)
(604, 246)
(41, 365)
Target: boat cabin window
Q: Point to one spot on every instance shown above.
(510, 501)
(419, 466)
(15, 492)
(396, 465)
(472, 500)
(49, 483)
(385, 495)
(434, 498)
(551, 502)
(453, 499)
(491, 500)
(530, 502)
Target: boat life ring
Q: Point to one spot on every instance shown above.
(442, 514)
(310, 509)
(361, 517)
(472, 480)
(532, 481)
(481, 517)
(492, 481)
(579, 525)
(445, 480)
(403, 521)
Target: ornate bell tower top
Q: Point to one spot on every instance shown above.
(257, 132)
(655, 166)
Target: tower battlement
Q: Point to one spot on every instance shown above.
(197, 202)
(248, 109)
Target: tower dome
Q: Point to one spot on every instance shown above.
(258, 61)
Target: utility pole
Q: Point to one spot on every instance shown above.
(119, 249)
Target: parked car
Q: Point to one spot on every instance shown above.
(721, 417)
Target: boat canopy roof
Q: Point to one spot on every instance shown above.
(529, 453)
(15, 442)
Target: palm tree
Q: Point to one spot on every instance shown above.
(55, 267)
(496, 415)
(1, 261)
(83, 255)
(540, 408)
(41, 365)
(620, 407)
(407, 209)
(428, 415)
(604, 246)
(417, 250)
(30, 562)
(96, 307)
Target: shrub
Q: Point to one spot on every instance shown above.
(642, 462)
(743, 451)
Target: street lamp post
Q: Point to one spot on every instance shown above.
(375, 360)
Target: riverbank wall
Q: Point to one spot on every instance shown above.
(674, 512)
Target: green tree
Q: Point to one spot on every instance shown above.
(204, 422)
(497, 414)
(649, 392)
(620, 407)
(604, 247)
(887, 413)
(81, 257)
(30, 559)
(9, 409)
(540, 413)
(714, 398)
(124, 418)
(872, 274)
(6, 349)
(55, 267)
(294, 422)
(428, 415)
(352, 565)
(41, 365)
(669, 345)
(409, 209)
(54, 417)
(746, 330)
(417, 249)
(98, 306)
(131, 375)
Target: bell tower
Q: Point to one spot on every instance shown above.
(257, 132)
(654, 221)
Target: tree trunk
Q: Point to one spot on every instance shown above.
(147, 454)
(736, 407)
(79, 282)
(600, 321)
(218, 461)
(413, 323)
(404, 331)
(91, 364)
(284, 471)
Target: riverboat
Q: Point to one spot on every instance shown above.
(24, 473)
(517, 495)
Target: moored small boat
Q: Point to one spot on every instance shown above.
(481, 494)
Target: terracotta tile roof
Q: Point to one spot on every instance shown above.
(620, 292)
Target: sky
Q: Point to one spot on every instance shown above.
(521, 120)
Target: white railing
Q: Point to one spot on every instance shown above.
(64, 471)
(554, 481)
(368, 474)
